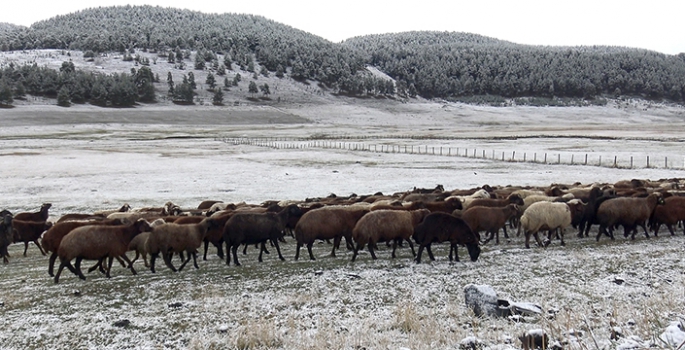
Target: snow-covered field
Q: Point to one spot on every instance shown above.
(99, 159)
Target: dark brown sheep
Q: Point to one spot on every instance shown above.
(29, 231)
(513, 198)
(53, 237)
(668, 214)
(441, 227)
(386, 226)
(332, 222)
(41, 215)
(5, 234)
(490, 220)
(628, 212)
(96, 242)
(204, 205)
(256, 228)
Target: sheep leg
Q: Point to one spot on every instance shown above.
(62, 264)
(204, 257)
(167, 261)
(77, 267)
(430, 252)
(195, 261)
(418, 256)
(670, 229)
(528, 239)
(309, 249)
(561, 237)
(297, 250)
(96, 266)
(642, 224)
(245, 250)
(356, 250)
(136, 258)
(453, 246)
(109, 267)
(278, 249)
(130, 263)
(371, 245)
(537, 239)
(504, 228)
(26, 247)
(51, 264)
(411, 245)
(228, 254)
(184, 262)
(234, 248)
(394, 247)
(39, 246)
(153, 257)
(336, 243)
(219, 249)
(123, 263)
(261, 251)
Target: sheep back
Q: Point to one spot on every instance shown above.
(328, 223)
(387, 225)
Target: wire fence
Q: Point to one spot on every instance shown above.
(361, 144)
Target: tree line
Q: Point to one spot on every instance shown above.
(426, 64)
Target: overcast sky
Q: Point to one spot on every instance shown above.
(655, 25)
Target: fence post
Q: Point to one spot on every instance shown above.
(493, 156)
(513, 156)
(559, 158)
(631, 162)
(666, 162)
(474, 153)
(572, 159)
(524, 157)
(483, 154)
(600, 161)
(535, 157)
(440, 150)
(585, 158)
(615, 161)
(502, 155)
(545, 158)
(648, 161)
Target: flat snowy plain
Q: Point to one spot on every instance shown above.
(84, 159)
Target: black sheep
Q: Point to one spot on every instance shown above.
(442, 227)
(256, 228)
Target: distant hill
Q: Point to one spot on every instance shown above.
(462, 66)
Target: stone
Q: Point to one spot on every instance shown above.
(482, 299)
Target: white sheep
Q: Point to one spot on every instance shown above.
(545, 216)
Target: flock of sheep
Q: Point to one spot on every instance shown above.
(420, 216)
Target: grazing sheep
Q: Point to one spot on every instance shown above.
(29, 231)
(628, 212)
(669, 214)
(441, 227)
(545, 216)
(169, 238)
(386, 226)
(332, 222)
(490, 220)
(96, 242)
(5, 234)
(256, 228)
(53, 237)
(41, 215)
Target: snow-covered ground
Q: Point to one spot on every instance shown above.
(103, 158)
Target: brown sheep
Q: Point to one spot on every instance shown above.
(446, 206)
(169, 238)
(497, 202)
(96, 242)
(628, 212)
(668, 214)
(53, 237)
(386, 226)
(29, 231)
(41, 215)
(441, 227)
(332, 222)
(204, 205)
(490, 220)
(79, 217)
